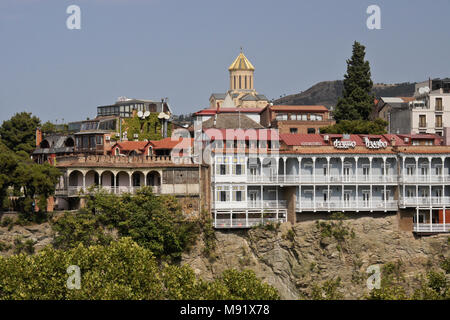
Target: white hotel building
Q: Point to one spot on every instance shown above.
(256, 179)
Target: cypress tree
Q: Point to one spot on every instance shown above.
(357, 100)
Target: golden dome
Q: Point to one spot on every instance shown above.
(241, 63)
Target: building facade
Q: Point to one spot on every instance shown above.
(356, 173)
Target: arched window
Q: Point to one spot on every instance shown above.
(117, 151)
(240, 84)
(250, 82)
(234, 85)
(150, 151)
(245, 82)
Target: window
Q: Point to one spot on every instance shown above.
(439, 121)
(311, 130)
(99, 140)
(240, 82)
(223, 169)
(282, 116)
(422, 120)
(117, 151)
(238, 193)
(238, 169)
(438, 104)
(319, 118)
(304, 117)
(293, 117)
(312, 117)
(293, 130)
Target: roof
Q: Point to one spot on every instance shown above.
(292, 139)
(227, 110)
(131, 145)
(171, 143)
(305, 108)
(231, 121)
(241, 63)
(241, 134)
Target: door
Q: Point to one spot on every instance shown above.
(252, 198)
(366, 173)
(347, 173)
(366, 199)
(347, 196)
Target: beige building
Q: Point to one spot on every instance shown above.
(242, 93)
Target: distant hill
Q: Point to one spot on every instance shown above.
(327, 93)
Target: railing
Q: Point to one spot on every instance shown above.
(322, 178)
(425, 201)
(245, 223)
(351, 205)
(425, 178)
(79, 190)
(431, 227)
(273, 204)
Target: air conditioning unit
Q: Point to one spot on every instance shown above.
(107, 138)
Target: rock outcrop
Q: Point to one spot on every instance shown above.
(292, 258)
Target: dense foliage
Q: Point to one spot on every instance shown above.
(377, 126)
(26, 179)
(122, 270)
(154, 222)
(357, 100)
(19, 132)
(146, 129)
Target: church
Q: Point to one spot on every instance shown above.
(241, 93)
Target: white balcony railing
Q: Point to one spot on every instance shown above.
(425, 201)
(77, 191)
(431, 227)
(266, 204)
(245, 223)
(321, 178)
(351, 205)
(424, 178)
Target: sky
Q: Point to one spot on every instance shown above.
(151, 49)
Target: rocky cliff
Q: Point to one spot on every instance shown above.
(292, 258)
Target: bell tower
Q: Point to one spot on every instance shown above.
(241, 74)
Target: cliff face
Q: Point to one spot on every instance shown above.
(292, 258)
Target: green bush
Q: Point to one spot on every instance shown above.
(121, 270)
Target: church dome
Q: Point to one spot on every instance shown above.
(241, 63)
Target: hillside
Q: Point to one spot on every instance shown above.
(327, 93)
(294, 258)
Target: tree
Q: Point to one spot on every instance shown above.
(357, 100)
(19, 132)
(378, 126)
(121, 270)
(154, 222)
(35, 180)
(8, 164)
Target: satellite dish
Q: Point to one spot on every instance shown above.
(146, 114)
(140, 114)
(163, 115)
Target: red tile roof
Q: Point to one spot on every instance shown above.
(130, 145)
(292, 139)
(169, 143)
(305, 108)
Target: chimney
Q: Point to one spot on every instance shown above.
(393, 142)
(38, 137)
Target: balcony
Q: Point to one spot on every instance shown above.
(295, 179)
(79, 191)
(244, 223)
(265, 204)
(431, 227)
(425, 202)
(352, 205)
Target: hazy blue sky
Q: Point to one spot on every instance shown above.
(182, 49)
